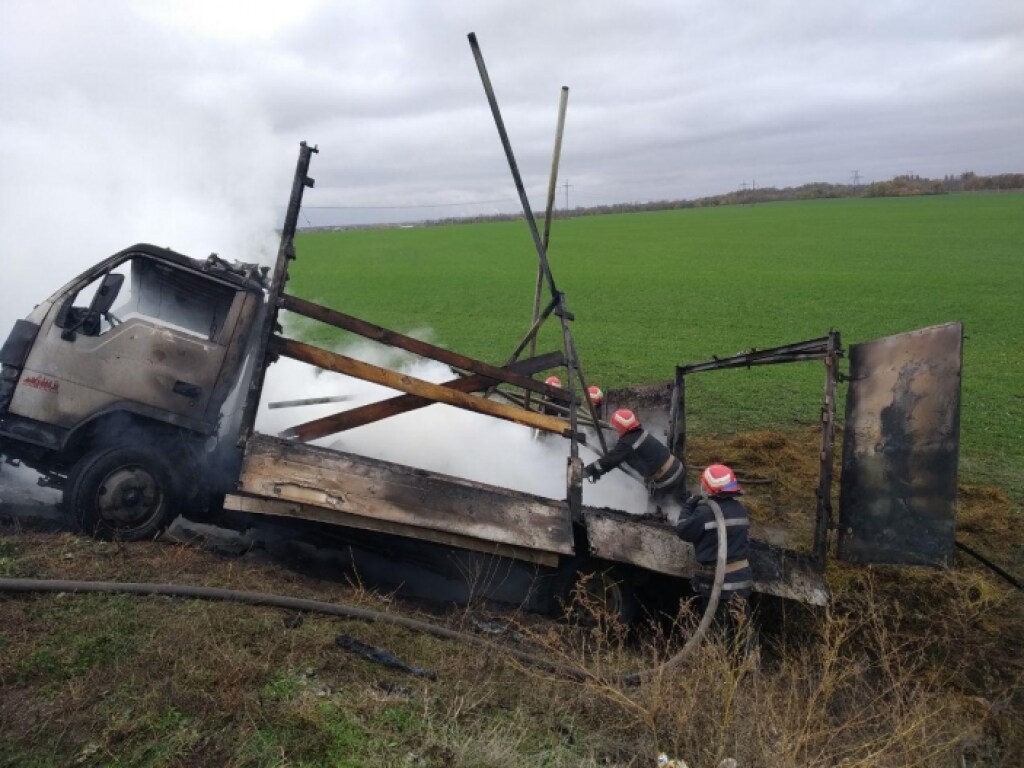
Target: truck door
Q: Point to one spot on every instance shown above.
(897, 501)
(159, 351)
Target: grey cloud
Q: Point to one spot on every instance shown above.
(668, 98)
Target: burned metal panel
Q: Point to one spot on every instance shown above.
(653, 546)
(246, 312)
(790, 575)
(18, 344)
(66, 382)
(897, 501)
(357, 485)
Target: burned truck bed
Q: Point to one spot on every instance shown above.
(293, 480)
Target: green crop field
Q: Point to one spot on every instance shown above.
(650, 290)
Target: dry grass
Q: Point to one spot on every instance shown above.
(899, 672)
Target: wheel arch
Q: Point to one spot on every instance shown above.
(126, 427)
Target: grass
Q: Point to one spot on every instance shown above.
(904, 670)
(651, 290)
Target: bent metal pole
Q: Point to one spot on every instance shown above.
(575, 474)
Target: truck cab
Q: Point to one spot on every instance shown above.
(136, 354)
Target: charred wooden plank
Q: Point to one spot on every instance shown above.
(261, 506)
(416, 346)
(332, 361)
(654, 546)
(367, 414)
(356, 485)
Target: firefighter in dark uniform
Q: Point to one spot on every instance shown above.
(697, 526)
(548, 407)
(597, 399)
(646, 454)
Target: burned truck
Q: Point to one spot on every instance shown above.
(135, 389)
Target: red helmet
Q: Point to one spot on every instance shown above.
(624, 420)
(718, 478)
(553, 381)
(595, 394)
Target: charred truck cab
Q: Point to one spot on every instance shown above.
(113, 387)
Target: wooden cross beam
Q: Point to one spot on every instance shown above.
(418, 347)
(332, 361)
(367, 414)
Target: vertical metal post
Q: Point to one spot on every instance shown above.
(823, 520)
(586, 395)
(285, 254)
(552, 184)
(556, 158)
(678, 446)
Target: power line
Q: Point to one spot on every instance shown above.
(567, 186)
(402, 207)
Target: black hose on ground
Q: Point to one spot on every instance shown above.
(365, 614)
(269, 600)
(632, 678)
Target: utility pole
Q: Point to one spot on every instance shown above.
(855, 178)
(744, 186)
(567, 186)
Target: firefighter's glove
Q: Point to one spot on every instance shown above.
(592, 472)
(690, 505)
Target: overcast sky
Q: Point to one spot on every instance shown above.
(178, 122)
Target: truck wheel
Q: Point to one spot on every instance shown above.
(605, 589)
(126, 493)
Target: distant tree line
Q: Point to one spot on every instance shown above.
(899, 186)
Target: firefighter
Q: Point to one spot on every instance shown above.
(597, 400)
(697, 526)
(547, 406)
(662, 471)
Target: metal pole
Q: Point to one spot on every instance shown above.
(575, 470)
(680, 438)
(823, 521)
(552, 185)
(556, 158)
(586, 395)
(513, 166)
(285, 253)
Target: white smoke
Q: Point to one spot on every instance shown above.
(438, 438)
(108, 139)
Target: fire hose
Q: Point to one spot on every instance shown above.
(365, 614)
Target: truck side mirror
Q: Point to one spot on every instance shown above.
(106, 294)
(72, 318)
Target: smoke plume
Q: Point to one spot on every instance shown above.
(438, 438)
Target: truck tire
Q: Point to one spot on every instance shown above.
(124, 493)
(607, 590)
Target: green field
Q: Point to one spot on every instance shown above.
(650, 290)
